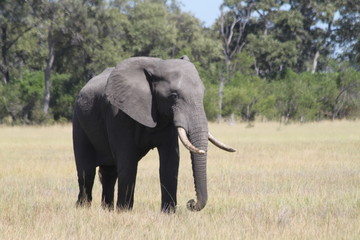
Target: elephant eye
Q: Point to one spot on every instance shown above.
(173, 96)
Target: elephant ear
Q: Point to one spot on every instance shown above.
(128, 89)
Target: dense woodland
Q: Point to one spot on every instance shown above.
(290, 60)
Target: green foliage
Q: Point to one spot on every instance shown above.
(243, 96)
(300, 97)
(63, 96)
(211, 102)
(278, 58)
(295, 97)
(346, 103)
(151, 32)
(10, 103)
(21, 99)
(273, 57)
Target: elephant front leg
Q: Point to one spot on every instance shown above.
(108, 176)
(169, 169)
(126, 185)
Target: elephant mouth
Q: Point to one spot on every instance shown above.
(188, 145)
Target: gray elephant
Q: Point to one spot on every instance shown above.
(124, 112)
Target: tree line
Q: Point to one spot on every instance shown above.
(291, 60)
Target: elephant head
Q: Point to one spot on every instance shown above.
(148, 89)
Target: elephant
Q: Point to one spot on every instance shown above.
(122, 113)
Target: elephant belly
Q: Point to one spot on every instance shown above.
(102, 160)
(99, 141)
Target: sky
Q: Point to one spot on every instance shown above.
(205, 10)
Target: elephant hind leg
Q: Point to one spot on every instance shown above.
(85, 158)
(108, 176)
(86, 182)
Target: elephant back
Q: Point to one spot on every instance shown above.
(93, 90)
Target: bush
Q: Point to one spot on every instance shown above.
(21, 99)
(63, 94)
(211, 102)
(247, 96)
(294, 96)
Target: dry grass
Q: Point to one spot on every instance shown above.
(288, 182)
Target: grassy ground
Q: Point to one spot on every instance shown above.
(284, 182)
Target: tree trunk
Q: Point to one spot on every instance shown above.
(232, 119)
(4, 52)
(6, 76)
(315, 61)
(339, 103)
(220, 102)
(47, 73)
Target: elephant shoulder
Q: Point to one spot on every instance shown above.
(93, 91)
(97, 84)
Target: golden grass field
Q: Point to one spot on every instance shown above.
(284, 182)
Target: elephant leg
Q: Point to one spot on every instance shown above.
(108, 176)
(85, 158)
(169, 168)
(126, 183)
(86, 182)
(121, 134)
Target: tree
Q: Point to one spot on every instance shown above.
(317, 32)
(232, 24)
(348, 31)
(348, 96)
(20, 100)
(152, 33)
(267, 58)
(85, 37)
(16, 19)
(193, 40)
(273, 42)
(53, 17)
(272, 57)
(246, 96)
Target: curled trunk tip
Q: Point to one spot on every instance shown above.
(194, 206)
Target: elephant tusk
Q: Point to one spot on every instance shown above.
(219, 144)
(186, 142)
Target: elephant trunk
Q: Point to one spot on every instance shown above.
(198, 136)
(186, 142)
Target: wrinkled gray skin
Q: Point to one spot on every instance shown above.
(123, 113)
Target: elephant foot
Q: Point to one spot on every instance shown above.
(168, 208)
(83, 204)
(108, 206)
(124, 207)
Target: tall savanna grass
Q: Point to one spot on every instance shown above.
(284, 182)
